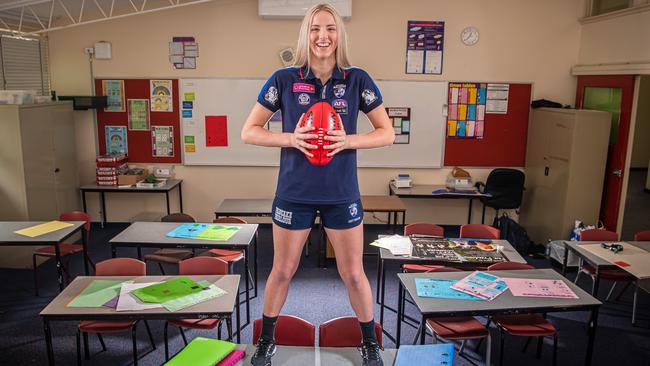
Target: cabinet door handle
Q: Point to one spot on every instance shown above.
(546, 171)
(56, 170)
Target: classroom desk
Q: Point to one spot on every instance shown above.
(504, 304)
(308, 356)
(600, 264)
(385, 255)
(426, 191)
(153, 235)
(251, 207)
(219, 307)
(55, 238)
(102, 190)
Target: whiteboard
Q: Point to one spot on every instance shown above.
(234, 99)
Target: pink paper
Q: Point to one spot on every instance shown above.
(232, 358)
(539, 288)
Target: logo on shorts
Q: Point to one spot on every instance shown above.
(271, 95)
(354, 209)
(303, 99)
(282, 216)
(339, 90)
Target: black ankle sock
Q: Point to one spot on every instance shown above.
(268, 327)
(368, 331)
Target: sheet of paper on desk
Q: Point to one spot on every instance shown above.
(396, 244)
(430, 287)
(40, 229)
(529, 287)
(204, 231)
(210, 292)
(429, 354)
(128, 302)
(96, 294)
(481, 284)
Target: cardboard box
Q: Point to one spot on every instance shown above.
(130, 180)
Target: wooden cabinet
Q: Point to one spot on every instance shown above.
(39, 161)
(565, 169)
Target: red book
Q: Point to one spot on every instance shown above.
(232, 358)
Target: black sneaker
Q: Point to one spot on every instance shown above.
(265, 350)
(370, 353)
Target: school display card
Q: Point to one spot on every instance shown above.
(116, 140)
(424, 47)
(138, 114)
(466, 111)
(457, 250)
(481, 284)
(161, 96)
(162, 141)
(529, 287)
(114, 92)
(401, 120)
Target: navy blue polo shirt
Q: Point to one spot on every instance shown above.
(294, 90)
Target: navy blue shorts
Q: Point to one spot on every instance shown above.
(299, 216)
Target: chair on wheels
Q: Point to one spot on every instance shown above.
(113, 267)
(523, 325)
(289, 331)
(343, 332)
(197, 266)
(642, 236)
(170, 256)
(66, 250)
(506, 187)
(479, 231)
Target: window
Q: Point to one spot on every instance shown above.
(24, 63)
(599, 7)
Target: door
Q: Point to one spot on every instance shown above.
(614, 94)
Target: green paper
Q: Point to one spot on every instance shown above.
(167, 290)
(196, 298)
(96, 294)
(218, 232)
(202, 352)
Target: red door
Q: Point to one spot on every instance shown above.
(614, 94)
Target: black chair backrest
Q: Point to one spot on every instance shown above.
(506, 187)
(178, 217)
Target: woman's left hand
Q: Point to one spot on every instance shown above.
(339, 141)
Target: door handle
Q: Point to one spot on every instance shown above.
(546, 171)
(56, 170)
(618, 173)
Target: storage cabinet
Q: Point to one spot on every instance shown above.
(565, 170)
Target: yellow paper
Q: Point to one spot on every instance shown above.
(44, 228)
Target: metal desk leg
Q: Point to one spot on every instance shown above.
(59, 266)
(423, 329)
(593, 324)
(383, 295)
(469, 211)
(400, 310)
(395, 222)
(257, 249)
(48, 342)
(594, 289)
(229, 326)
(247, 283)
(565, 260)
(378, 275)
(238, 318)
(83, 200)
(167, 201)
(84, 245)
(102, 201)
(180, 196)
(403, 221)
(634, 301)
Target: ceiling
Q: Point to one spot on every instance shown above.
(39, 16)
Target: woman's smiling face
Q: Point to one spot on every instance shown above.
(323, 36)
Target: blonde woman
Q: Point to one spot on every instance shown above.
(322, 72)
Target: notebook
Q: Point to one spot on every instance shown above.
(232, 358)
(430, 354)
(202, 352)
(167, 290)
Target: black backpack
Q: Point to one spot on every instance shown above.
(517, 236)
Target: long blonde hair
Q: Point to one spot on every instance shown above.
(302, 49)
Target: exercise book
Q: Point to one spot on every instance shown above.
(167, 290)
(481, 284)
(429, 354)
(40, 229)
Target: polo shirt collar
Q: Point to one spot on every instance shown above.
(337, 74)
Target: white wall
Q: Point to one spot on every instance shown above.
(521, 41)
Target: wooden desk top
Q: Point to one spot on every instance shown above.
(382, 204)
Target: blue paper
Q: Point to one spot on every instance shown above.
(429, 287)
(430, 355)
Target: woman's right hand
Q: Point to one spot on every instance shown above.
(300, 134)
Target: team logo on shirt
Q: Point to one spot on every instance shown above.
(340, 106)
(303, 99)
(305, 88)
(271, 95)
(368, 96)
(339, 90)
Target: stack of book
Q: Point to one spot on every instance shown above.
(109, 167)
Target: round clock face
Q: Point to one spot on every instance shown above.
(469, 36)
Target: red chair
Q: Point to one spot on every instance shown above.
(170, 256)
(66, 250)
(526, 325)
(289, 331)
(197, 266)
(113, 267)
(642, 236)
(422, 228)
(343, 332)
(598, 235)
(479, 231)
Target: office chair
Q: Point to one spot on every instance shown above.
(506, 187)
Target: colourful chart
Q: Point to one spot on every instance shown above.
(204, 231)
(466, 114)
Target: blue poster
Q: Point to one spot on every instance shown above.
(187, 113)
(116, 142)
(429, 287)
(188, 104)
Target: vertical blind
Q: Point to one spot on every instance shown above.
(24, 64)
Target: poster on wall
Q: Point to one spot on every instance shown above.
(161, 96)
(497, 98)
(114, 92)
(116, 141)
(401, 120)
(138, 114)
(162, 141)
(466, 111)
(424, 47)
(183, 52)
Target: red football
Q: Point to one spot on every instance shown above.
(323, 118)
